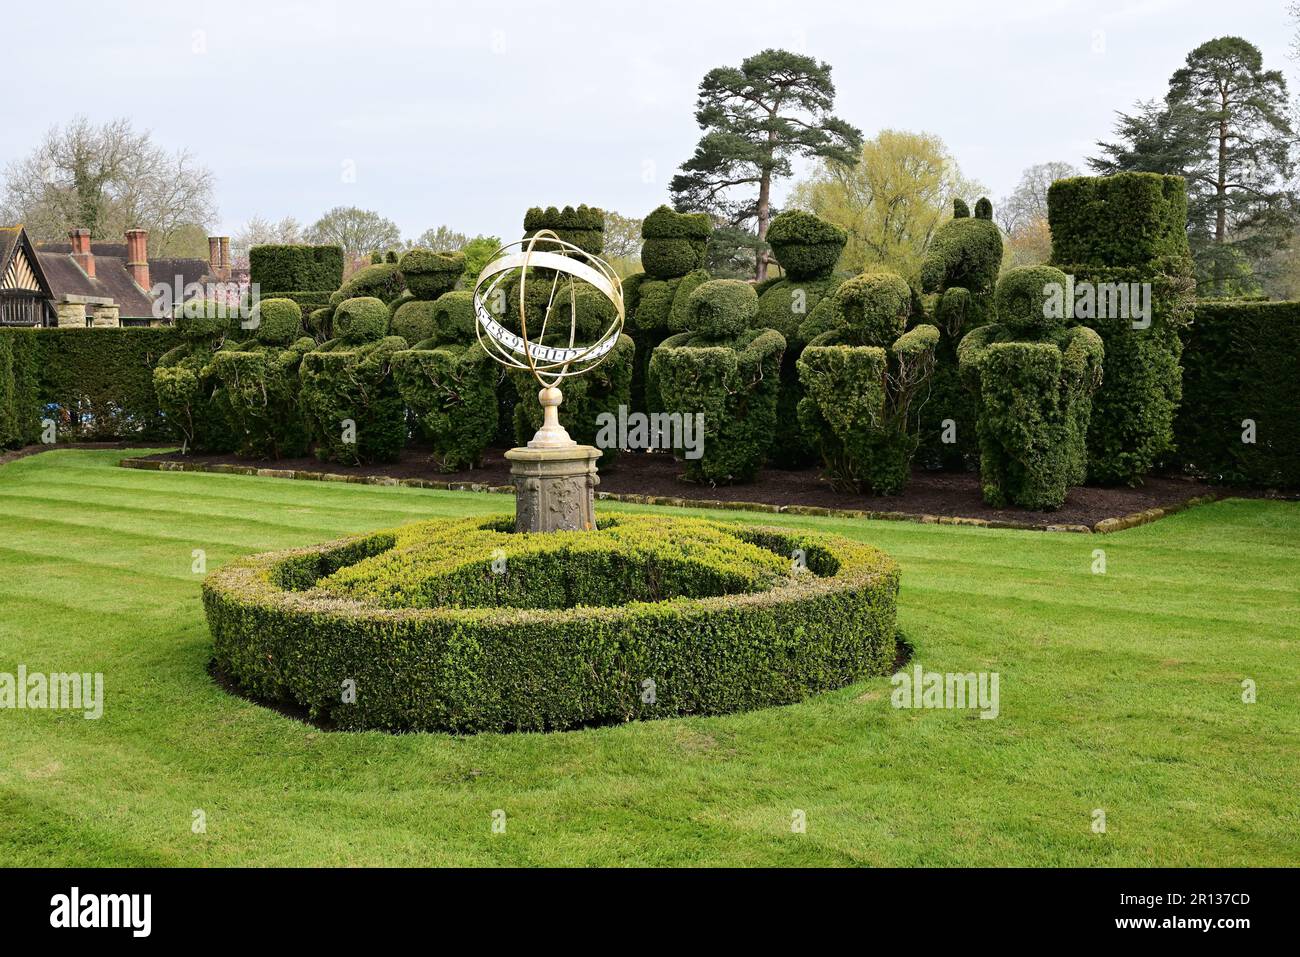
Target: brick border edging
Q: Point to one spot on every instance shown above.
(1105, 526)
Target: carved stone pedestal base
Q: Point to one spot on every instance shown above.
(555, 489)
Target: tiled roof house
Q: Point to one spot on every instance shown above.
(85, 283)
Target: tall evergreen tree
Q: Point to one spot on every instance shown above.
(757, 118)
(1223, 126)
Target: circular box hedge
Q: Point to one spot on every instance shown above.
(466, 626)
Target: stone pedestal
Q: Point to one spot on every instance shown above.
(555, 489)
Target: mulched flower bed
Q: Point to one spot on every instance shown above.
(948, 497)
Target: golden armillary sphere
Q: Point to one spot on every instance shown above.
(562, 266)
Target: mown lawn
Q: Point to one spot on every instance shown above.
(1120, 691)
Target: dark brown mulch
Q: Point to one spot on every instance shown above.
(930, 493)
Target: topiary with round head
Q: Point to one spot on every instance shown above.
(1032, 379)
(860, 380)
(805, 246)
(673, 243)
(429, 274)
(958, 276)
(1028, 301)
(807, 249)
(279, 322)
(727, 371)
(360, 320)
(260, 379)
(722, 308)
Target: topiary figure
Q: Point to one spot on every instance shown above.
(1033, 380)
(429, 274)
(807, 249)
(352, 404)
(672, 255)
(608, 385)
(260, 379)
(382, 280)
(728, 370)
(958, 275)
(861, 378)
(446, 378)
(584, 227)
(586, 397)
(190, 396)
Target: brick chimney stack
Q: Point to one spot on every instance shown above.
(81, 251)
(137, 256)
(225, 257)
(214, 256)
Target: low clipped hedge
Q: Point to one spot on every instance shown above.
(1242, 361)
(570, 629)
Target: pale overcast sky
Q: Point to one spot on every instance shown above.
(467, 113)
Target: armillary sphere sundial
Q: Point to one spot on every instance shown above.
(555, 478)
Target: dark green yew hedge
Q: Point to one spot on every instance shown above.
(1129, 228)
(95, 383)
(957, 278)
(650, 616)
(283, 267)
(1242, 361)
(1132, 219)
(726, 370)
(1033, 380)
(584, 227)
(353, 408)
(861, 379)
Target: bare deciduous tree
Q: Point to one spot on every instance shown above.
(106, 178)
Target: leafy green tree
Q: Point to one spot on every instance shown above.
(891, 202)
(757, 118)
(1223, 126)
(478, 253)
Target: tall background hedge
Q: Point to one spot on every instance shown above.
(94, 383)
(1242, 361)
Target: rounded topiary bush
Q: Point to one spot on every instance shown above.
(874, 306)
(1023, 298)
(805, 245)
(360, 320)
(278, 321)
(722, 307)
(673, 243)
(429, 274)
(415, 320)
(465, 626)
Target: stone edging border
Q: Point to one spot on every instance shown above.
(1105, 526)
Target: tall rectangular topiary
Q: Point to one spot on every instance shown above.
(1112, 231)
(296, 268)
